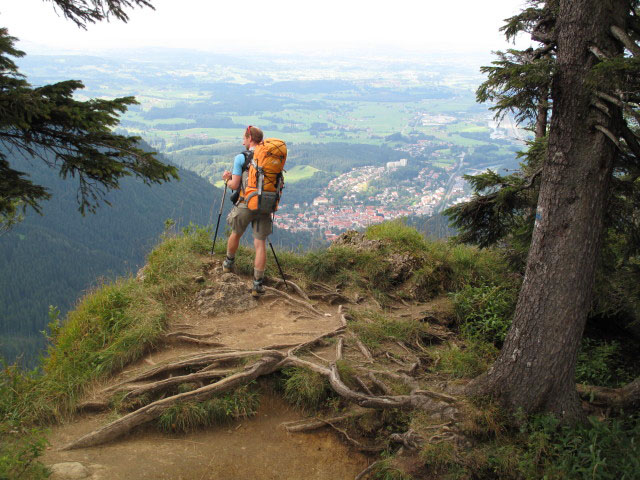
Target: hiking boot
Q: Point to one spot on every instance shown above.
(258, 288)
(227, 265)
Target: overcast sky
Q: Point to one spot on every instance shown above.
(271, 26)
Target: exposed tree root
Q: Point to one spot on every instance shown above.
(367, 470)
(363, 349)
(316, 340)
(381, 385)
(355, 443)
(135, 391)
(267, 364)
(295, 301)
(623, 398)
(279, 346)
(331, 297)
(190, 335)
(409, 439)
(200, 360)
(421, 402)
(195, 341)
(298, 290)
(363, 385)
(310, 425)
(208, 366)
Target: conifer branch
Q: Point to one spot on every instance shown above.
(618, 102)
(631, 140)
(626, 40)
(608, 134)
(600, 55)
(602, 107)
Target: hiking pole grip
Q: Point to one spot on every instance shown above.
(279, 267)
(224, 195)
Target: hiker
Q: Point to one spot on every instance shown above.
(240, 216)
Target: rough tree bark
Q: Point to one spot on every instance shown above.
(535, 369)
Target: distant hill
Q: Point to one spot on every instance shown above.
(52, 259)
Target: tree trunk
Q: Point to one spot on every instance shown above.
(535, 369)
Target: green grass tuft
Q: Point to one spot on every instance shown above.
(400, 236)
(467, 362)
(188, 416)
(305, 389)
(172, 264)
(386, 470)
(374, 329)
(601, 363)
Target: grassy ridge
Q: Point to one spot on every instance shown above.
(116, 323)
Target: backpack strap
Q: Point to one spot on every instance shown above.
(248, 156)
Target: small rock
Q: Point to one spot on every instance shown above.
(141, 274)
(199, 279)
(228, 294)
(69, 471)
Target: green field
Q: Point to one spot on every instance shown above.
(300, 172)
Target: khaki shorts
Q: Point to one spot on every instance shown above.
(239, 219)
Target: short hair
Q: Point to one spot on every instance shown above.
(255, 133)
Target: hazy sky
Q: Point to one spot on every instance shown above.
(273, 25)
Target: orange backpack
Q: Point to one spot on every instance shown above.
(264, 184)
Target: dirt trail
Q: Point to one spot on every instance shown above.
(255, 448)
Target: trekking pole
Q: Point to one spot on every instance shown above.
(273, 220)
(279, 267)
(224, 195)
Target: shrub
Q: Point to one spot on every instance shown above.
(485, 312)
(19, 450)
(600, 450)
(600, 363)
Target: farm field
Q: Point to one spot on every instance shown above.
(336, 118)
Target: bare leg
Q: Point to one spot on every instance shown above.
(232, 243)
(261, 253)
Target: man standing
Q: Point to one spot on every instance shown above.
(240, 216)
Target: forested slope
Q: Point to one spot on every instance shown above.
(51, 259)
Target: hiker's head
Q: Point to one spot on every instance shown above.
(252, 136)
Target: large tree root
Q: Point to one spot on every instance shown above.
(295, 301)
(439, 406)
(161, 385)
(624, 398)
(311, 425)
(206, 359)
(194, 341)
(298, 290)
(267, 364)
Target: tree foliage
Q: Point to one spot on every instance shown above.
(502, 210)
(82, 12)
(588, 78)
(46, 123)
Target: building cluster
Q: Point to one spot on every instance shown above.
(344, 203)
